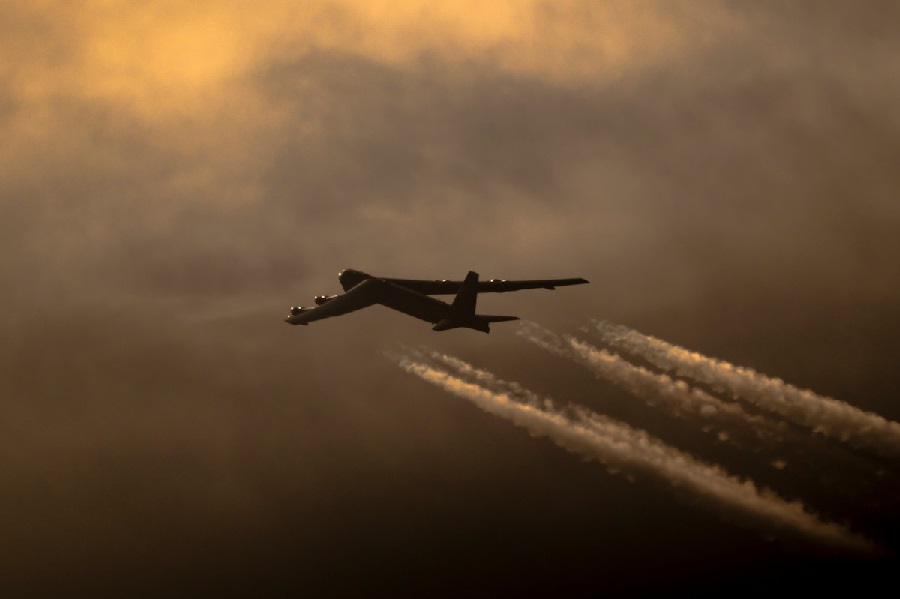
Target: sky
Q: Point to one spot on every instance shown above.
(176, 176)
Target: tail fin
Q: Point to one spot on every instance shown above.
(463, 310)
(464, 302)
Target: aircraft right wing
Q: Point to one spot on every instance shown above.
(377, 291)
(365, 294)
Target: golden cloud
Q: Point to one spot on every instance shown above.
(166, 57)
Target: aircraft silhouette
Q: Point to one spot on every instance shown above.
(413, 297)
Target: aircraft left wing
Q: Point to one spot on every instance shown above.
(444, 287)
(350, 278)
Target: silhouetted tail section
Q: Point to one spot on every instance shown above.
(464, 302)
(462, 311)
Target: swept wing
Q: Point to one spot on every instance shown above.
(349, 278)
(491, 286)
(362, 296)
(377, 291)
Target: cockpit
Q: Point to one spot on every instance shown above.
(350, 278)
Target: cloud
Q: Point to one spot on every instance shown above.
(175, 177)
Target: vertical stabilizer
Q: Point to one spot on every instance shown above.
(462, 310)
(464, 302)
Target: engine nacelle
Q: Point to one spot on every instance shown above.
(321, 299)
(297, 310)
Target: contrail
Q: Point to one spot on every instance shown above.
(618, 445)
(678, 397)
(821, 414)
(614, 431)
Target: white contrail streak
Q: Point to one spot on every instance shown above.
(615, 431)
(677, 396)
(821, 414)
(618, 445)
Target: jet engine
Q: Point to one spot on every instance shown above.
(321, 299)
(295, 310)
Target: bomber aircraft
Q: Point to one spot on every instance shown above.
(413, 297)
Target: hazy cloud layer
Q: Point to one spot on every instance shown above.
(175, 177)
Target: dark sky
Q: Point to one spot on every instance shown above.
(174, 178)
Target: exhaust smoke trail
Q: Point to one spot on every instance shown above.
(621, 446)
(678, 397)
(823, 415)
(609, 427)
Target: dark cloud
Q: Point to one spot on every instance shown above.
(163, 427)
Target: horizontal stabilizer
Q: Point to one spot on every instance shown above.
(490, 318)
